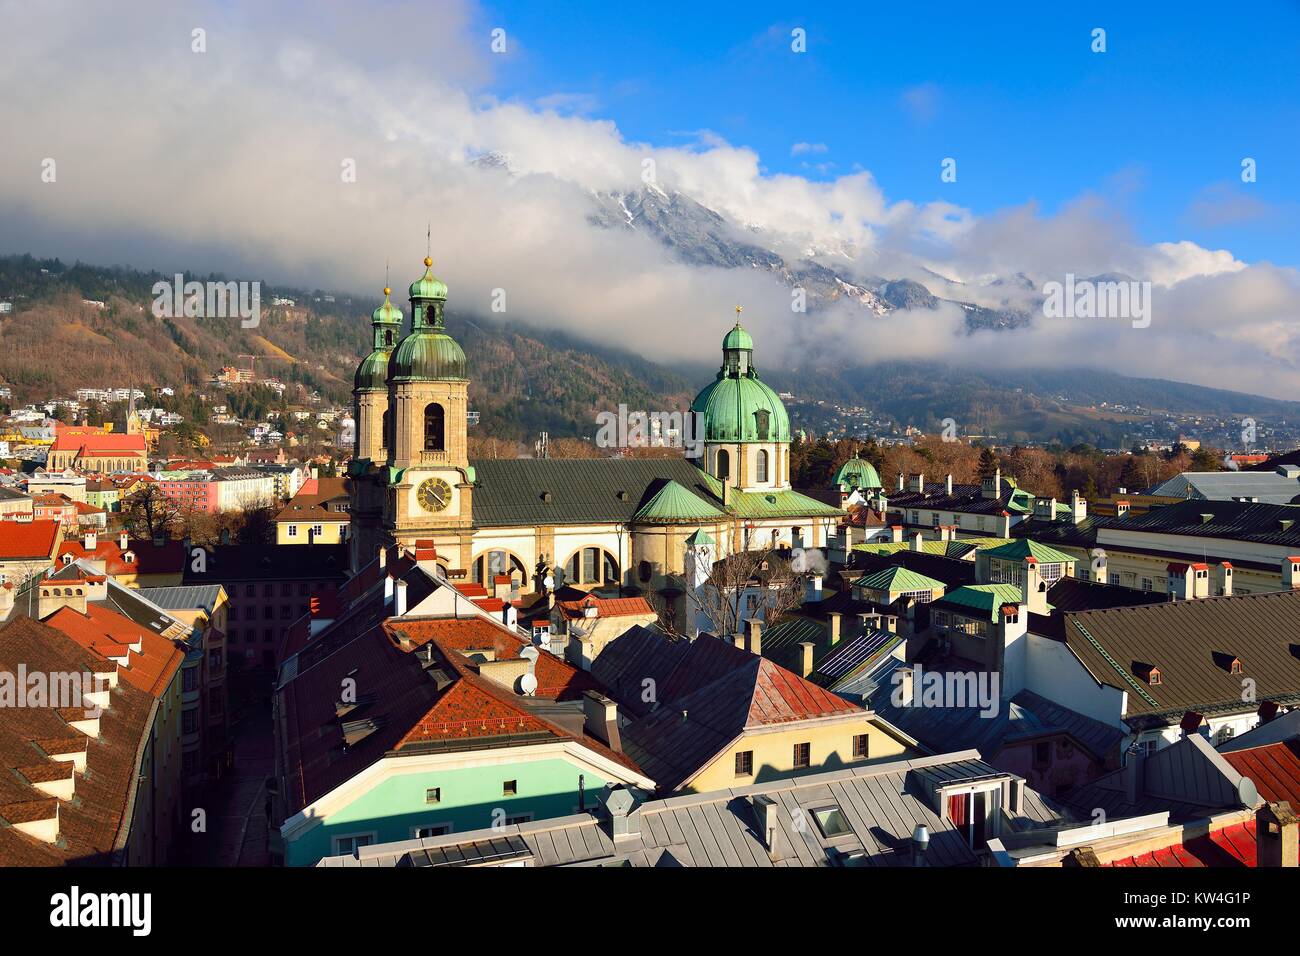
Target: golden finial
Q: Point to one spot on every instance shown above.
(387, 292)
(739, 310)
(428, 262)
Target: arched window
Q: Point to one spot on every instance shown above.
(434, 435)
(762, 465)
(388, 337)
(384, 434)
(722, 467)
(762, 420)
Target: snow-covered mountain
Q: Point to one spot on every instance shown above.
(698, 235)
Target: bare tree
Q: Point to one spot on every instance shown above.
(148, 513)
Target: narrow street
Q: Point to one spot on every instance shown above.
(236, 806)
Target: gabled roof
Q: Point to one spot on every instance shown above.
(986, 599)
(1273, 768)
(28, 540)
(1023, 548)
(111, 634)
(897, 579)
(428, 696)
(606, 607)
(41, 737)
(1189, 642)
(714, 692)
(1235, 520)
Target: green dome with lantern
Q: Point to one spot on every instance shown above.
(428, 286)
(739, 406)
(386, 325)
(427, 353)
(857, 473)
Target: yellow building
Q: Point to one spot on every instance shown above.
(706, 715)
(318, 514)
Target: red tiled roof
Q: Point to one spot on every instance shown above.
(90, 441)
(88, 825)
(1274, 769)
(32, 539)
(556, 679)
(606, 607)
(111, 634)
(1232, 846)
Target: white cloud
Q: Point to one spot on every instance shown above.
(230, 160)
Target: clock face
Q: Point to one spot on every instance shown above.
(434, 494)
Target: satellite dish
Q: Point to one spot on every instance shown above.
(1247, 795)
(528, 685)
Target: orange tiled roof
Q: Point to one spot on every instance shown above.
(32, 539)
(606, 607)
(112, 635)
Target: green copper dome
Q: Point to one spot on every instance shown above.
(738, 406)
(428, 286)
(387, 314)
(372, 372)
(738, 338)
(386, 326)
(427, 354)
(857, 473)
(742, 409)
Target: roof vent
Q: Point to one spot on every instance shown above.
(546, 496)
(1286, 523)
(1206, 518)
(622, 496)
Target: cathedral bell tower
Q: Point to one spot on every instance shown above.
(430, 480)
(370, 385)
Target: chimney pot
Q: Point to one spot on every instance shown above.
(399, 598)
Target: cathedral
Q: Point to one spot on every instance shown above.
(621, 525)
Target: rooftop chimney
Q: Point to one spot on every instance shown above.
(383, 557)
(1133, 788)
(901, 486)
(765, 822)
(833, 620)
(754, 636)
(600, 719)
(123, 542)
(812, 589)
(917, 482)
(947, 484)
(399, 598)
(1276, 832)
(806, 658)
(620, 806)
(916, 541)
(90, 540)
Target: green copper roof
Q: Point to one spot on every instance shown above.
(933, 546)
(738, 338)
(898, 579)
(387, 314)
(428, 286)
(742, 408)
(857, 473)
(985, 598)
(373, 371)
(427, 354)
(769, 504)
(674, 504)
(700, 539)
(1023, 548)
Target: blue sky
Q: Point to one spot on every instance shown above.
(1157, 126)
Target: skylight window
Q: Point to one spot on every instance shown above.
(831, 822)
